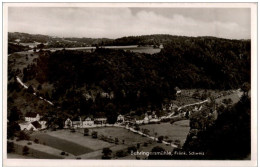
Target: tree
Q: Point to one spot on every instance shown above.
(12, 129)
(106, 153)
(23, 136)
(111, 113)
(94, 134)
(36, 140)
(245, 88)
(86, 131)
(131, 149)
(121, 153)
(116, 140)
(39, 87)
(137, 127)
(160, 139)
(30, 89)
(25, 150)
(10, 147)
(187, 114)
(15, 114)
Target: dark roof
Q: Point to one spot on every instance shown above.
(76, 119)
(30, 114)
(36, 124)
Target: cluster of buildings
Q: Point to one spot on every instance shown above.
(32, 122)
(79, 122)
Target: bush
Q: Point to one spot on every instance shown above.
(23, 136)
(145, 144)
(86, 131)
(29, 143)
(94, 134)
(160, 139)
(10, 147)
(106, 153)
(25, 150)
(131, 149)
(121, 153)
(36, 140)
(62, 153)
(116, 140)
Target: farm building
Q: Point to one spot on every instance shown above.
(32, 116)
(32, 126)
(100, 121)
(120, 118)
(87, 122)
(68, 123)
(76, 122)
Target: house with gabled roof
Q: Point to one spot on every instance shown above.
(87, 122)
(31, 126)
(68, 123)
(120, 118)
(76, 122)
(100, 121)
(32, 116)
(178, 91)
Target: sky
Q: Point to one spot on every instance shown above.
(231, 23)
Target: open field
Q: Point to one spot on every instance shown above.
(52, 143)
(234, 97)
(176, 131)
(61, 144)
(129, 137)
(148, 50)
(18, 156)
(78, 138)
(132, 48)
(184, 100)
(38, 151)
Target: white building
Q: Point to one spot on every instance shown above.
(120, 118)
(31, 116)
(100, 120)
(87, 122)
(68, 123)
(32, 126)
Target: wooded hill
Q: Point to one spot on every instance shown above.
(139, 80)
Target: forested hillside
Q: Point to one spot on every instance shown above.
(138, 81)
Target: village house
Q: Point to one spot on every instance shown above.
(178, 91)
(32, 126)
(68, 123)
(87, 122)
(76, 122)
(100, 121)
(33, 122)
(120, 119)
(32, 116)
